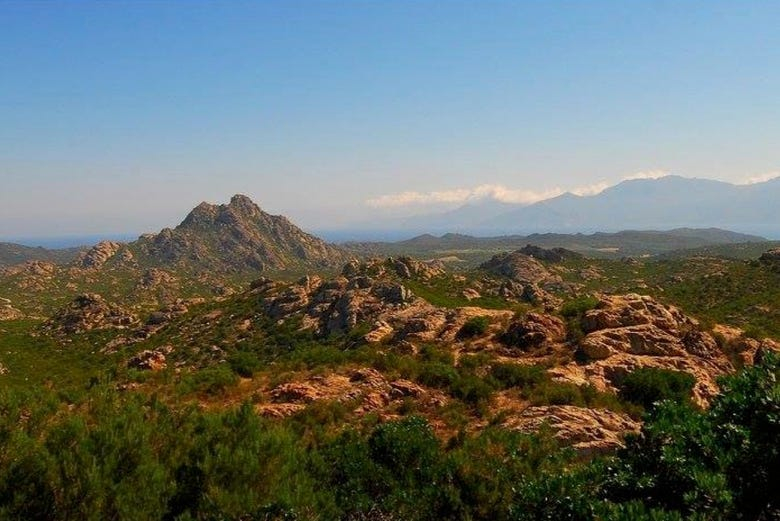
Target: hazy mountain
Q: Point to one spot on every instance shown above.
(236, 237)
(16, 253)
(643, 204)
(600, 244)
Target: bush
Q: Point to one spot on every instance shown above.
(212, 380)
(474, 327)
(577, 307)
(244, 363)
(517, 375)
(647, 385)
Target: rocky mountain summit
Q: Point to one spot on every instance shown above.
(236, 237)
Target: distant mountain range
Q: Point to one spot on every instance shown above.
(600, 244)
(642, 204)
(11, 253)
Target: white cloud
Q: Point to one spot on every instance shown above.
(593, 189)
(759, 178)
(463, 195)
(495, 192)
(648, 174)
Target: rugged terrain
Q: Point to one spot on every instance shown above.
(238, 309)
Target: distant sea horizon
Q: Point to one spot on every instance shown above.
(69, 241)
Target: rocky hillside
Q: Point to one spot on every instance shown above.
(236, 237)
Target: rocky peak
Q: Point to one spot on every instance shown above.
(243, 204)
(99, 254)
(237, 237)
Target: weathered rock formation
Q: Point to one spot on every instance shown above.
(534, 330)
(389, 308)
(8, 312)
(528, 279)
(87, 312)
(589, 431)
(365, 388)
(102, 252)
(626, 332)
(150, 360)
(553, 255)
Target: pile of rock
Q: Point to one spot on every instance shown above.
(151, 360)
(87, 312)
(589, 431)
(340, 304)
(626, 332)
(367, 389)
(101, 253)
(8, 312)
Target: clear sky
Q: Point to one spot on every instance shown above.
(121, 116)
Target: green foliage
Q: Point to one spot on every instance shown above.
(578, 306)
(244, 363)
(723, 462)
(473, 327)
(125, 456)
(518, 375)
(647, 385)
(211, 380)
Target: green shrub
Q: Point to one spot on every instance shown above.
(518, 375)
(212, 380)
(473, 327)
(577, 307)
(244, 363)
(647, 385)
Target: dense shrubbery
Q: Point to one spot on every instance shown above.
(648, 385)
(475, 326)
(114, 456)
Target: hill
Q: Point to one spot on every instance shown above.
(236, 237)
(11, 254)
(598, 245)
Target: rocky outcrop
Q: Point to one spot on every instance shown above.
(589, 431)
(87, 312)
(744, 348)
(150, 360)
(626, 332)
(403, 267)
(8, 312)
(154, 278)
(32, 268)
(520, 268)
(365, 388)
(534, 330)
(528, 279)
(234, 238)
(771, 257)
(101, 253)
(392, 310)
(553, 255)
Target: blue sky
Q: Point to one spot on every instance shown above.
(119, 117)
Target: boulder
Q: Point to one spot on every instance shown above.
(534, 330)
(589, 431)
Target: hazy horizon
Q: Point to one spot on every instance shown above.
(117, 118)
